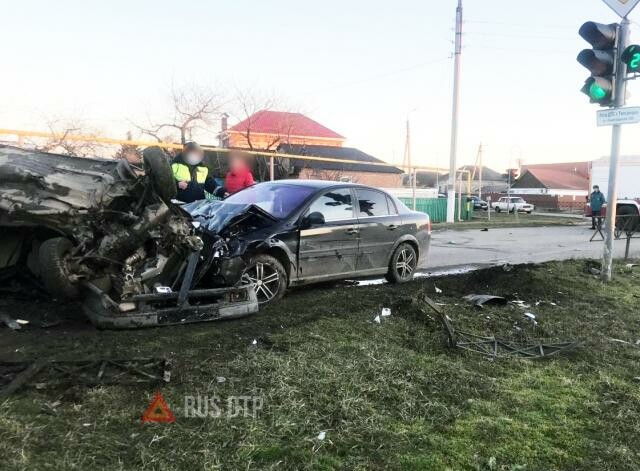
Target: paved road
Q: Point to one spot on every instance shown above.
(473, 248)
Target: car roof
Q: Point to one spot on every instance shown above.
(317, 184)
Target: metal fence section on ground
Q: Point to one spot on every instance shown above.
(436, 208)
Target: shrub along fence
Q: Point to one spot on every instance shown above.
(436, 208)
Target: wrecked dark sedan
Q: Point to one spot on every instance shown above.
(294, 232)
(110, 236)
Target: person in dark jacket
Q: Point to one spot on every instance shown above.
(596, 202)
(192, 176)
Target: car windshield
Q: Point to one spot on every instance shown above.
(517, 200)
(275, 198)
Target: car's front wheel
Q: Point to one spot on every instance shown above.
(268, 276)
(403, 264)
(498, 209)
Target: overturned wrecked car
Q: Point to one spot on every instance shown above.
(100, 232)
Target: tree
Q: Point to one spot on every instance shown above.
(192, 108)
(63, 140)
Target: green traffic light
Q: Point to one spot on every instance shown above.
(596, 92)
(631, 57)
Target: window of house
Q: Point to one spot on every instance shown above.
(335, 205)
(372, 203)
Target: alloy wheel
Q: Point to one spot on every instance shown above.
(265, 279)
(405, 263)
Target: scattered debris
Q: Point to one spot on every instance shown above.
(452, 242)
(495, 347)
(322, 435)
(594, 271)
(438, 290)
(479, 300)
(254, 342)
(386, 312)
(10, 321)
(50, 374)
(631, 265)
(506, 267)
(532, 317)
(521, 304)
(220, 379)
(377, 319)
(484, 229)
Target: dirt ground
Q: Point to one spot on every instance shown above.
(339, 390)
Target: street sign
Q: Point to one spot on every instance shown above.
(622, 7)
(628, 115)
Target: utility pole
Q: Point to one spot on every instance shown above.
(407, 164)
(612, 194)
(451, 191)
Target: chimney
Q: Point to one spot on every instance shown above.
(223, 137)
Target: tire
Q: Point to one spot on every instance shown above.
(402, 266)
(529, 212)
(53, 268)
(262, 267)
(498, 209)
(157, 167)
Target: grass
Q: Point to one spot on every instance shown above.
(388, 396)
(480, 220)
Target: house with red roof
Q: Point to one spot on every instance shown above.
(266, 130)
(554, 186)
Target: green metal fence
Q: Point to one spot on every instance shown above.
(436, 208)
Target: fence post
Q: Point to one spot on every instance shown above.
(272, 169)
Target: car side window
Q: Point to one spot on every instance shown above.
(372, 203)
(335, 205)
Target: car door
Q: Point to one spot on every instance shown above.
(328, 244)
(379, 225)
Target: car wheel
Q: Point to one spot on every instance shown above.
(529, 212)
(268, 276)
(54, 269)
(403, 264)
(157, 166)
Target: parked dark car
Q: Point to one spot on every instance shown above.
(295, 232)
(478, 203)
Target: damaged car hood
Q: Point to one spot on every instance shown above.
(215, 217)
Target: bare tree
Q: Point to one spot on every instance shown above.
(64, 132)
(192, 108)
(246, 108)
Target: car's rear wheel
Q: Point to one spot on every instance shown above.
(403, 264)
(268, 276)
(54, 268)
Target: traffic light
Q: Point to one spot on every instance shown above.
(600, 61)
(631, 57)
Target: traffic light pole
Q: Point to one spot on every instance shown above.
(453, 167)
(612, 199)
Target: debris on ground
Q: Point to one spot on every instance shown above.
(594, 271)
(45, 374)
(495, 347)
(377, 319)
(532, 317)
(484, 229)
(479, 300)
(386, 312)
(438, 290)
(220, 379)
(322, 435)
(9, 321)
(506, 267)
(254, 342)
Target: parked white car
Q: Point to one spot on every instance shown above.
(512, 204)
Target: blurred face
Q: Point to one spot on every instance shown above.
(194, 157)
(236, 162)
(596, 188)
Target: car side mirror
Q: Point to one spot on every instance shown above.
(313, 219)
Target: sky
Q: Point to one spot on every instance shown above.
(361, 68)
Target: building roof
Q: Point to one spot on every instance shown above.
(580, 168)
(338, 153)
(283, 123)
(488, 174)
(552, 179)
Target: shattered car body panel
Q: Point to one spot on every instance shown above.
(95, 231)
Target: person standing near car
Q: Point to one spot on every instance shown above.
(191, 175)
(239, 175)
(597, 202)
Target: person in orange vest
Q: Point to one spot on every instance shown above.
(191, 175)
(239, 175)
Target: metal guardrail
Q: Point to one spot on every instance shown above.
(627, 225)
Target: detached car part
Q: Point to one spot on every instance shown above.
(95, 231)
